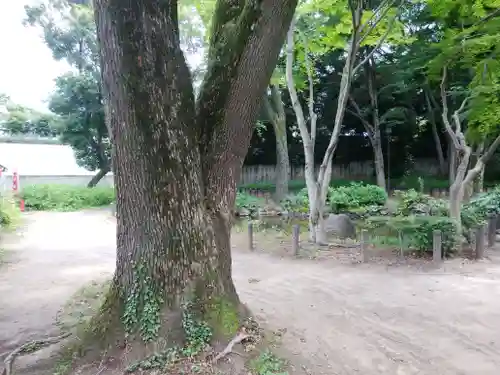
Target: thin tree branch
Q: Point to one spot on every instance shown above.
(491, 150)
(310, 103)
(377, 46)
(277, 101)
(488, 17)
(359, 114)
(373, 23)
(299, 113)
(444, 113)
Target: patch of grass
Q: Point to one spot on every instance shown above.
(66, 197)
(75, 317)
(83, 305)
(267, 363)
(10, 215)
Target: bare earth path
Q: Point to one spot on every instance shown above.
(338, 319)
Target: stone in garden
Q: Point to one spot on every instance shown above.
(340, 225)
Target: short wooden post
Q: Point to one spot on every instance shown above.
(250, 236)
(480, 232)
(492, 229)
(296, 239)
(437, 246)
(364, 245)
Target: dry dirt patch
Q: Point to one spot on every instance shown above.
(356, 319)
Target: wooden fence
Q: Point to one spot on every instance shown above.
(355, 170)
(484, 237)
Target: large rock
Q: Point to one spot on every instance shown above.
(340, 226)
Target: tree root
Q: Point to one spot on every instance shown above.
(240, 336)
(28, 348)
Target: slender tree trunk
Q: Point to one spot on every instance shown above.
(308, 137)
(435, 134)
(98, 177)
(452, 161)
(379, 161)
(370, 70)
(275, 111)
(457, 189)
(479, 182)
(282, 162)
(176, 164)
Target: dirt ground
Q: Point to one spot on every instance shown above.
(336, 318)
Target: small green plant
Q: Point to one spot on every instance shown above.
(412, 202)
(416, 231)
(198, 335)
(355, 195)
(65, 197)
(143, 305)
(198, 332)
(250, 203)
(268, 364)
(296, 203)
(10, 215)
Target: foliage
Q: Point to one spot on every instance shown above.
(355, 195)
(416, 231)
(296, 203)
(411, 202)
(403, 183)
(19, 120)
(368, 211)
(477, 210)
(268, 364)
(142, 306)
(69, 31)
(77, 100)
(250, 203)
(65, 197)
(10, 215)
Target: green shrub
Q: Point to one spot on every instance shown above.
(369, 211)
(65, 197)
(417, 231)
(10, 215)
(412, 202)
(250, 203)
(355, 195)
(296, 203)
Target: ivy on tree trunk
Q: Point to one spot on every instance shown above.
(176, 162)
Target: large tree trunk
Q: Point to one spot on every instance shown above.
(98, 177)
(176, 164)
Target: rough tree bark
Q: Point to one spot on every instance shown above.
(275, 111)
(175, 163)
